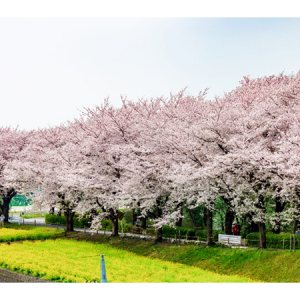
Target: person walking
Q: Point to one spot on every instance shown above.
(2, 220)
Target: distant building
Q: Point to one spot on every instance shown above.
(20, 200)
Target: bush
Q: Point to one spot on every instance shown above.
(81, 222)
(128, 216)
(273, 240)
(54, 219)
(135, 229)
(106, 225)
(191, 233)
(168, 231)
(126, 227)
(150, 231)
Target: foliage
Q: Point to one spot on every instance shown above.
(220, 209)
(52, 260)
(78, 222)
(191, 233)
(274, 240)
(193, 217)
(107, 225)
(128, 216)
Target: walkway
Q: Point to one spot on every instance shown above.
(10, 276)
(41, 222)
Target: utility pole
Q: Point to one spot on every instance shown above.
(103, 272)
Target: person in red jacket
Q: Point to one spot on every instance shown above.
(235, 229)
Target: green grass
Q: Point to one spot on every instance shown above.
(79, 261)
(32, 216)
(261, 265)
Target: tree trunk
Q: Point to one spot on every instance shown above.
(262, 236)
(115, 228)
(277, 229)
(134, 217)
(205, 217)
(253, 227)
(114, 219)
(6, 201)
(5, 209)
(144, 222)
(279, 207)
(209, 218)
(69, 214)
(92, 214)
(51, 210)
(158, 237)
(229, 217)
(295, 226)
(179, 221)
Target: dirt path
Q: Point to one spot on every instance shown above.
(10, 276)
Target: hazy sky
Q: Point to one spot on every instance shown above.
(51, 68)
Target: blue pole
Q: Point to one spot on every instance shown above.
(103, 272)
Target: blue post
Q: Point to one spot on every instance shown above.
(103, 272)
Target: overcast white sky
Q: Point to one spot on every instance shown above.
(50, 68)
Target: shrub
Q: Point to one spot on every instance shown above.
(106, 224)
(135, 229)
(78, 222)
(150, 231)
(168, 231)
(54, 219)
(81, 222)
(126, 227)
(274, 240)
(128, 216)
(189, 232)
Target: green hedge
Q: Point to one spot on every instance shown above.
(191, 233)
(107, 225)
(84, 222)
(54, 219)
(273, 240)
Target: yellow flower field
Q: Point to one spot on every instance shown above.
(76, 261)
(34, 233)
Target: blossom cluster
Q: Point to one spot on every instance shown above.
(162, 154)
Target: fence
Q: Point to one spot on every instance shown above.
(287, 243)
(281, 242)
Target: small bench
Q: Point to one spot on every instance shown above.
(230, 239)
(19, 220)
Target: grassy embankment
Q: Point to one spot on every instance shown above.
(266, 265)
(79, 261)
(261, 265)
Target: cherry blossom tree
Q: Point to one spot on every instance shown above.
(12, 142)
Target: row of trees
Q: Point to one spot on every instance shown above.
(161, 155)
